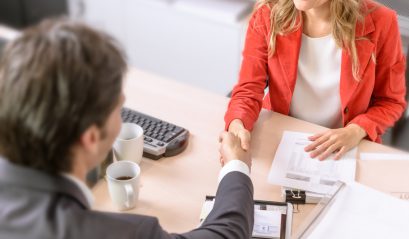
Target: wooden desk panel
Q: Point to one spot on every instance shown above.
(173, 189)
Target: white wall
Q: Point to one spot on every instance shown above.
(180, 45)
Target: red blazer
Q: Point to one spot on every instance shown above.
(374, 103)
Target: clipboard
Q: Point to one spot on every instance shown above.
(262, 230)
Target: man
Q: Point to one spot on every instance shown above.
(60, 101)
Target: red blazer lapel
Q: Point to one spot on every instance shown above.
(365, 49)
(288, 59)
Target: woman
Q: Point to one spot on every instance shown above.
(337, 63)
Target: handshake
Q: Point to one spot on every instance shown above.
(231, 149)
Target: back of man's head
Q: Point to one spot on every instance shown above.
(56, 80)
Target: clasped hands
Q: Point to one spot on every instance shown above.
(332, 141)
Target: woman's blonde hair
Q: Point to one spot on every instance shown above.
(344, 16)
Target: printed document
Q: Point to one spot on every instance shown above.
(293, 167)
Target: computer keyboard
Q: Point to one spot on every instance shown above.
(161, 138)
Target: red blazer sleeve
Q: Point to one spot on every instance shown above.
(247, 95)
(388, 97)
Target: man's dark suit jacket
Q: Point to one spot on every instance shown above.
(35, 205)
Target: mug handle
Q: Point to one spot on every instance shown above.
(129, 195)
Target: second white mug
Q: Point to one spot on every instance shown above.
(129, 143)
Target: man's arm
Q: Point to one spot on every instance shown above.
(232, 216)
(233, 211)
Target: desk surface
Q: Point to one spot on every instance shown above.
(173, 189)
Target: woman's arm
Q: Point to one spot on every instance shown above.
(388, 97)
(247, 95)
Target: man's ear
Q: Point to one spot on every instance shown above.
(90, 138)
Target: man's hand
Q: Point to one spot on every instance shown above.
(335, 140)
(231, 149)
(237, 128)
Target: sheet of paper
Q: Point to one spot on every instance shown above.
(361, 212)
(383, 156)
(267, 224)
(293, 167)
(206, 209)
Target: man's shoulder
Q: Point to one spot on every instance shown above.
(62, 216)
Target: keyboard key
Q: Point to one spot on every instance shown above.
(178, 130)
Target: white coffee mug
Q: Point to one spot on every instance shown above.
(123, 183)
(129, 143)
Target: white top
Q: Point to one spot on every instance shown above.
(316, 96)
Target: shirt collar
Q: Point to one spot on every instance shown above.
(82, 186)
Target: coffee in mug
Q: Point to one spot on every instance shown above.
(123, 183)
(123, 178)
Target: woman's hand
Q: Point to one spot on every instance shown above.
(230, 149)
(335, 140)
(237, 128)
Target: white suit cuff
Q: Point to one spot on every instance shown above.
(232, 166)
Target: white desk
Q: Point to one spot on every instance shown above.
(173, 189)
